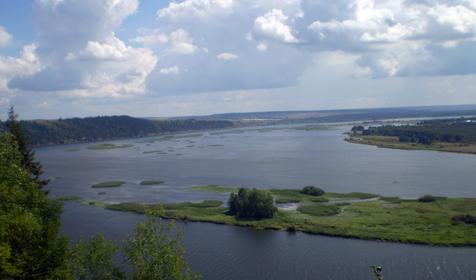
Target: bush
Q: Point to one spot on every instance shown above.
(427, 198)
(467, 219)
(311, 190)
(252, 204)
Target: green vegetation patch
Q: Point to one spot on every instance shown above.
(313, 127)
(72, 149)
(214, 188)
(151, 182)
(107, 146)
(319, 209)
(108, 184)
(68, 198)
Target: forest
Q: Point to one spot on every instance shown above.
(461, 130)
(79, 130)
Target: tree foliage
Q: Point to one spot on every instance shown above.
(252, 204)
(156, 251)
(27, 155)
(426, 132)
(78, 130)
(93, 260)
(29, 222)
(311, 190)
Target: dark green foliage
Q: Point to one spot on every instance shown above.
(77, 130)
(426, 132)
(467, 219)
(252, 204)
(311, 190)
(427, 198)
(28, 156)
(93, 260)
(29, 222)
(156, 251)
(378, 272)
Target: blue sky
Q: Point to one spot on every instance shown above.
(65, 58)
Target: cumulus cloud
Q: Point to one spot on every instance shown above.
(274, 26)
(227, 56)
(181, 42)
(80, 53)
(5, 37)
(196, 8)
(151, 38)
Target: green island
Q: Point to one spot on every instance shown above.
(428, 220)
(151, 182)
(108, 146)
(108, 184)
(449, 135)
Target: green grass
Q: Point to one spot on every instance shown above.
(72, 149)
(108, 184)
(151, 182)
(108, 146)
(337, 214)
(319, 209)
(313, 127)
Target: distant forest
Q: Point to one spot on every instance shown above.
(78, 130)
(461, 130)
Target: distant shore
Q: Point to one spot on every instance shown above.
(393, 143)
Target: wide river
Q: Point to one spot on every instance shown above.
(265, 158)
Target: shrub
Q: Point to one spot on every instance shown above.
(427, 198)
(311, 190)
(252, 204)
(467, 219)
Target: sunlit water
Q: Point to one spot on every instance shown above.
(285, 158)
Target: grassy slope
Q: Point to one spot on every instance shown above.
(393, 143)
(355, 215)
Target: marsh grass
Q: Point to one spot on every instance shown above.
(108, 184)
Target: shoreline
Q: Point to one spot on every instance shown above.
(360, 216)
(437, 147)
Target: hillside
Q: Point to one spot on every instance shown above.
(76, 130)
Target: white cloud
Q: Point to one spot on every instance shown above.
(197, 8)
(174, 70)
(459, 18)
(181, 42)
(227, 56)
(262, 47)
(5, 37)
(274, 25)
(151, 38)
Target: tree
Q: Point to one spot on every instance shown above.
(311, 190)
(252, 204)
(156, 251)
(93, 260)
(29, 222)
(28, 156)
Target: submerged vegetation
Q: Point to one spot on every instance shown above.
(151, 182)
(108, 146)
(108, 184)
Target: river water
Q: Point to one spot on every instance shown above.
(278, 158)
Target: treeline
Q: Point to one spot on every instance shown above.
(30, 244)
(461, 130)
(77, 130)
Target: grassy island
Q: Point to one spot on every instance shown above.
(443, 221)
(108, 184)
(151, 182)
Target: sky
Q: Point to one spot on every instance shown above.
(145, 58)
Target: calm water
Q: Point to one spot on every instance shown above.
(285, 158)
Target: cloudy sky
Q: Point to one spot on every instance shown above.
(64, 58)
